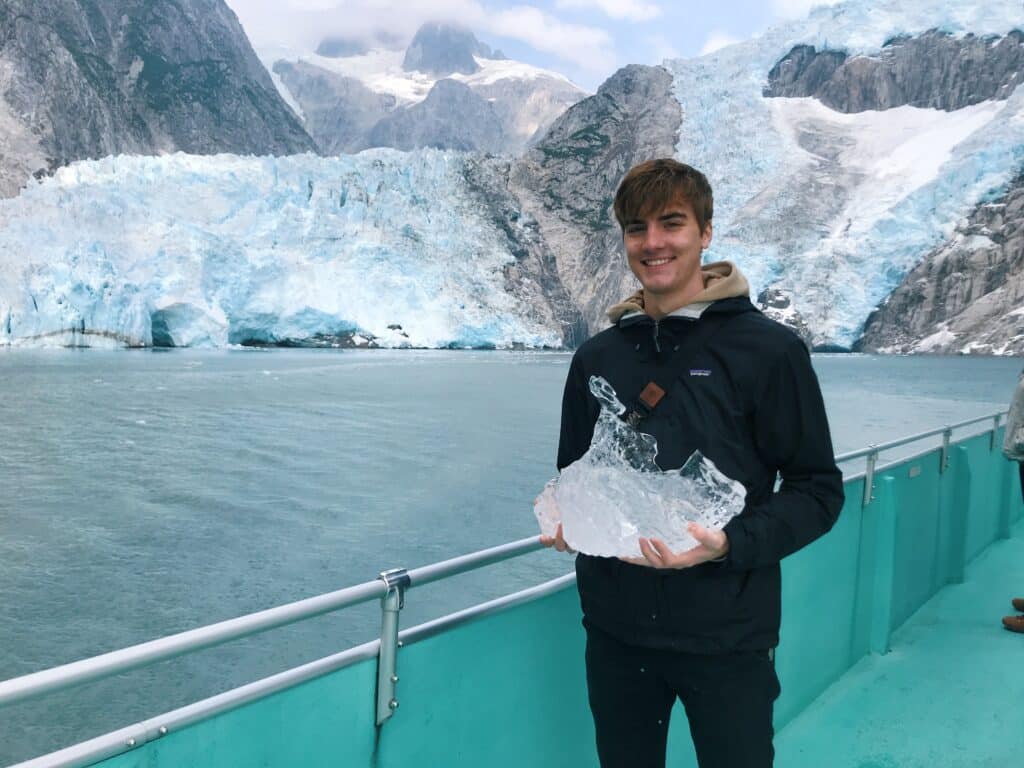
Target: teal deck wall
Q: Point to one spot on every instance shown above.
(508, 689)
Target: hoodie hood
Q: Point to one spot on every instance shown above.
(722, 280)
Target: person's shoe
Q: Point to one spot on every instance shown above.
(1018, 604)
(1014, 623)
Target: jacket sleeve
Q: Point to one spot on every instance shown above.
(579, 414)
(1013, 440)
(791, 434)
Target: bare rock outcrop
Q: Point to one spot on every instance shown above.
(967, 295)
(85, 79)
(934, 70)
(568, 181)
(533, 278)
(430, 123)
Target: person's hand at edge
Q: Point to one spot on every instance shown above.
(711, 545)
(557, 541)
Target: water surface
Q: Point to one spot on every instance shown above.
(150, 492)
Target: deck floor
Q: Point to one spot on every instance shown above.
(950, 693)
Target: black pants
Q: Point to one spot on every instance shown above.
(1021, 468)
(728, 700)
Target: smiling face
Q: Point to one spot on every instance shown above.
(664, 251)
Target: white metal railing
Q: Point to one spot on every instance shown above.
(389, 588)
(873, 452)
(144, 654)
(873, 448)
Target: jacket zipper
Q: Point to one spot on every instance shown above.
(657, 346)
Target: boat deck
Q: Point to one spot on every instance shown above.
(950, 693)
(892, 653)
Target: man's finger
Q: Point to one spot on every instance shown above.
(714, 540)
(666, 554)
(559, 540)
(652, 557)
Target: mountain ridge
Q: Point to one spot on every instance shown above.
(84, 79)
(525, 99)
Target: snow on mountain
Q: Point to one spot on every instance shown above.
(525, 99)
(381, 70)
(180, 250)
(835, 208)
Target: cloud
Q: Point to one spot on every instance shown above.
(661, 48)
(717, 40)
(631, 10)
(304, 23)
(590, 48)
(793, 9)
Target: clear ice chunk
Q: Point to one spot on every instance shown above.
(616, 493)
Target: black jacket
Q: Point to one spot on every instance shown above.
(740, 388)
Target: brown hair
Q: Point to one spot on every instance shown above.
(653, 185)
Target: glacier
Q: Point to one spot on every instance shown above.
(831, 240)
(183, 250)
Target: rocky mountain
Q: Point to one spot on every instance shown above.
(89, 78)
(352, 97)
(568, 180)
(935, 70)
(442, 50)
(339, 111)
(963, 294)
(967, 295)
(832, 212)
(840, 148)
(429, 123)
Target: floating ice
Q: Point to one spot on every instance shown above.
(616, 493)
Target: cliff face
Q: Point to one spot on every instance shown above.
(87, 78)
(534, 277)
(966, 296)
(339, 111)
(568, 181)
(933, 70)
(430, 123)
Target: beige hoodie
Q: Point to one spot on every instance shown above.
(722, 280)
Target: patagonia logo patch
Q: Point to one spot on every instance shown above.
(700, 371)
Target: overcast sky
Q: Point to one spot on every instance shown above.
(586, 40)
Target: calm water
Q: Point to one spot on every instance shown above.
(145, 493)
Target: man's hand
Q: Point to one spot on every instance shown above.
(557, 541)
(711, 545)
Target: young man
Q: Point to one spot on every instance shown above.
(699, 625)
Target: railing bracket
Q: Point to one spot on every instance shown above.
(947, 435)
(869, 476)
(397, 581)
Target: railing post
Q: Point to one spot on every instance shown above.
(869, 477)
(947, 435)
(397, 581)
(884, 565)
(994, 432)
(961, 501)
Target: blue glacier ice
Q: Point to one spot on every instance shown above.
(210, 251)
(393, 247)
(840, 261)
